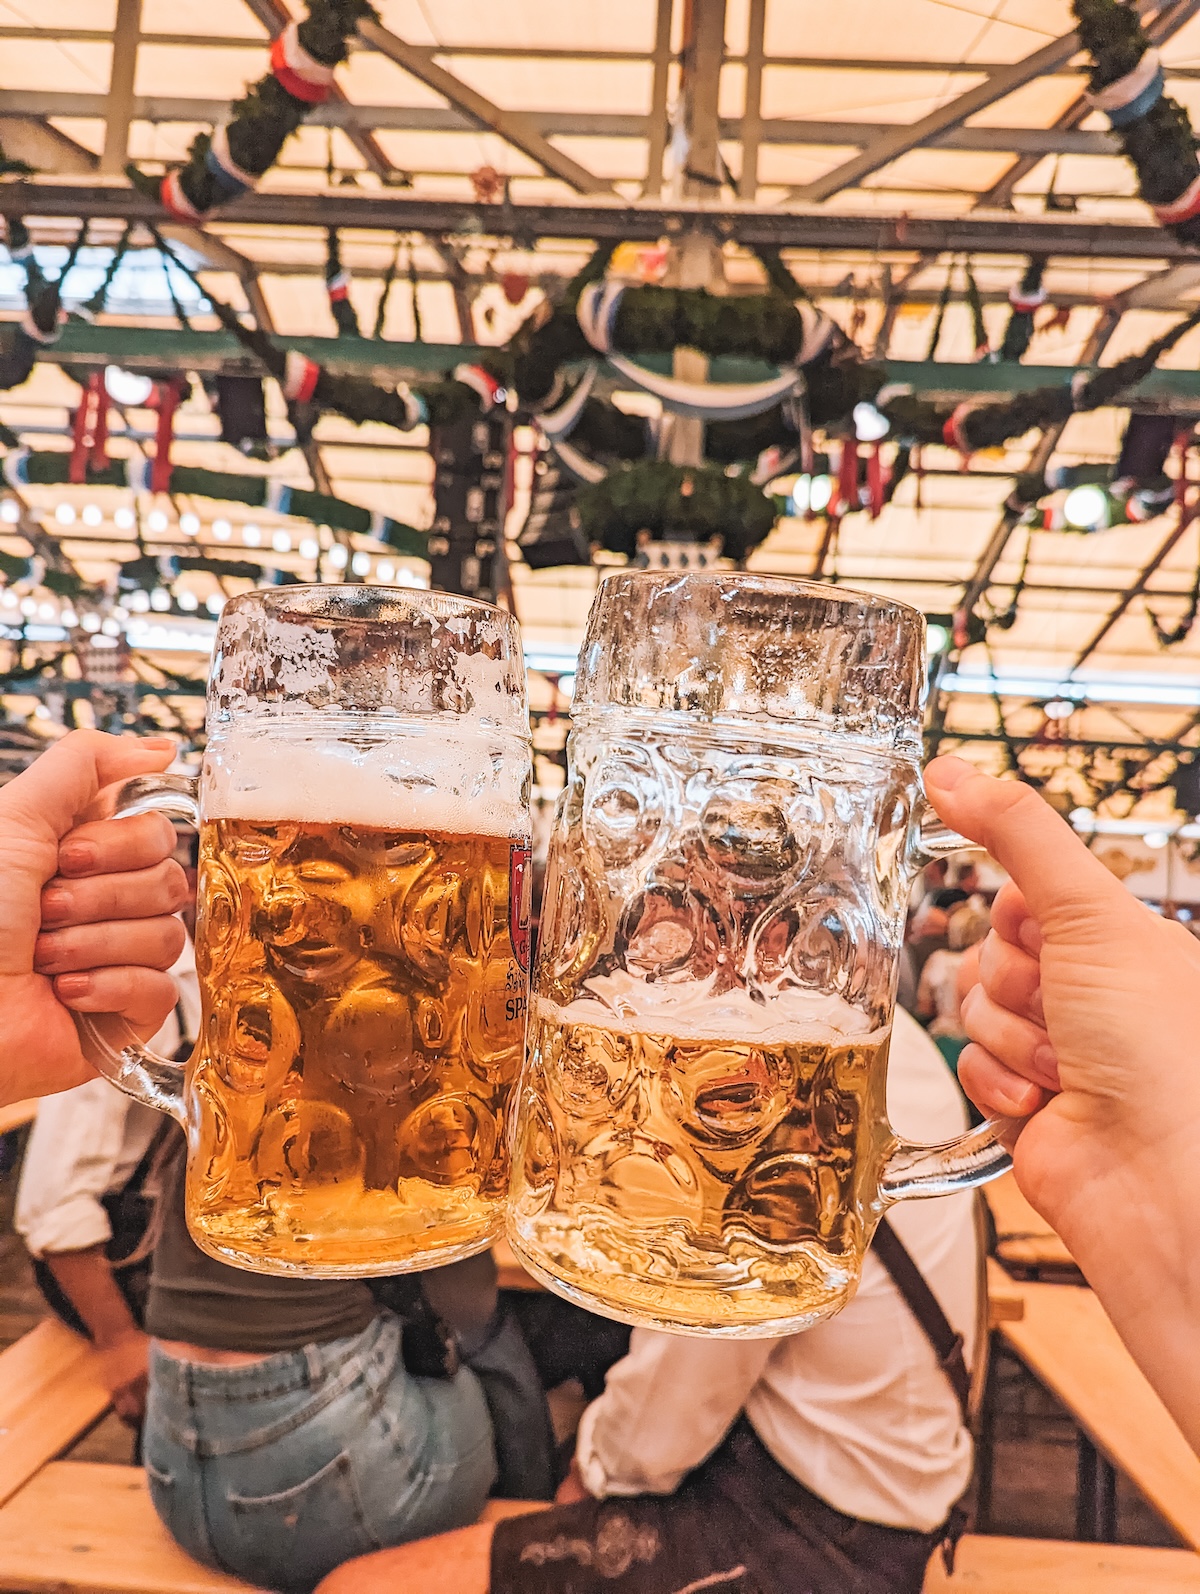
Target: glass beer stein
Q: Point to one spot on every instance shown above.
(362, 935)
(701, 1141)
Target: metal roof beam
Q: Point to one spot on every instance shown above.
(515, 127)
(899, 140)
(872, 234)
(584, 124)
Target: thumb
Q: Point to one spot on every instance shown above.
(1022, 832)
(66, 779)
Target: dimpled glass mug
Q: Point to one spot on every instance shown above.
(702, 1142)
(362, 935)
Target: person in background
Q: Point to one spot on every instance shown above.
(87, 1207)
(937, 992)
(116, 875)
(828, 1462)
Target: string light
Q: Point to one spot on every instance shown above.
(251, 535)
(281, 542)
(160, 600)
(188, 602)
(110, 627)
(69, 618)
(222, 530)
(338, 556)
(124, 518)
(10, 511)
(156, 520)
(310, 548)
(90, 623)
(47, 611)
(215, 602)
(139, 602)
(28, 608)
(361, 564)
(120, 612)
(92, 515)
(65, 515)
(189, 525)
(385, 571)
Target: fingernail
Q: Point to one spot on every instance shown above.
(950, 772)
(1036, 1010)
(164, 742)
(70, 986)
(75, 857)
(1030, 937)
(1045, 1060)
(56, 905)
(1018, 1103)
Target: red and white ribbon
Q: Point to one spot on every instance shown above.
(174, 199)
(952, 432)
(302, 75)
(229, 177)
(474, 376)
(338, 287)
(299, 377)
(1181, 209)
(1026, 300)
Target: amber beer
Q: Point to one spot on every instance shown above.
(364, 994)
(678, 1180)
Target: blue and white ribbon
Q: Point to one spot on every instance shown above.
(1133, 95)
(378, 526)
(584, 470)
(279, 498)
(705, 401)
(416, 411)
(16, 467)
(561, 422)
(137, 473)
(225, 172)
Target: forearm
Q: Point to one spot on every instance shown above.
(86, 1279)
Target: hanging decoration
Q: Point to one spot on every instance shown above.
(1025, 299)
(674, 501)
(337, 286)
(233, 158)
(1154, 131)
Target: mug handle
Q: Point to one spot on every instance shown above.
(978, 1156)
(109, 1043)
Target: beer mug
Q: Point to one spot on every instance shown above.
(702, 1142)
(362, 933)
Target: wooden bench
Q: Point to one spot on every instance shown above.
(51, 1393)
(81, 1528)
(1065, 1338)
(1046, 1566)
(86, 1527)
(1025, 1242)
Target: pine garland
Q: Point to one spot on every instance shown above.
(1154, 130)
(674, 500)
(260, 123)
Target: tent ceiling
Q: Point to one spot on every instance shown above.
(598, 82)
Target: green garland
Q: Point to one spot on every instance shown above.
(674, 501)
(52, 468)
(1159, 141)
(267, 115)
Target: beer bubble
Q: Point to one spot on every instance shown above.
(623, 805)
(446, 1141)
(745, 831)
(305, 1146)
(254, 1036)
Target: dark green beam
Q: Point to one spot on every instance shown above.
(146, 348)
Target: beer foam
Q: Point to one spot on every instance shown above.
(692, 1012)
(427, 776)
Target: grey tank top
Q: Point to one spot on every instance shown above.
(204, 1302)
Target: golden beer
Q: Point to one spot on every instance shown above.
(364, 994)
(688, 1182)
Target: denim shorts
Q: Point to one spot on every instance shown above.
(281, 1470)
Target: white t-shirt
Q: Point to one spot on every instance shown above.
(857, 1409)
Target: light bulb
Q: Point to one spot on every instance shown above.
(385, 570)
(111, 627)
(338, 556)
(92, 515)
(222, 530)
(251, 535)
(139, 602)
(361, 564)
(215, 602)
(281, 542)
(65, 514)
(870, 425)
(28, 608)
(310, 548)
(124, 518)
(801, 496)
(157, 520)
(10, 511)
(188, 602)
(1157, 838)
(1059, 708)
(936, 636)
(69, 618)
(47, 611)
(127, 387)
(91, 623)
(1086, 508)
(160, 599)
(820, 493)
(189, 525)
